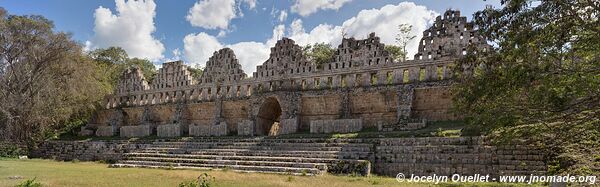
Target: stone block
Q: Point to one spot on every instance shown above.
(105, 131)
(169, 130)
(245, 128)
(288, 126)
(336, 126)
(136, 131)
(209, 130)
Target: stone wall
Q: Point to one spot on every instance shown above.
(336, 126)
(433, 104)
(209, 130)
(86, 150)
(388, 156)
(447, 156)
(105, 131)
(136, 131)
(245, 128)
(169, 130)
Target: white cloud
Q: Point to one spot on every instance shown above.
(221, 34)
(282, 16)
(199, 47)
(212, 14)
(307, 7)
(384, 21)
(251, 3)
(176, 55)
(130, 28)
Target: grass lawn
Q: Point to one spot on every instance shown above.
(53, 173)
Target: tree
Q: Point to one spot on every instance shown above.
(403, 37)
(540, 83)
(114, 61)
(396, 52)
(320, 53)
(45, 79)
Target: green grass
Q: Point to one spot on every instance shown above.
(53, 173)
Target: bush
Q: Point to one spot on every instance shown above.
(204, 180)
(12, 151)
(29, 183)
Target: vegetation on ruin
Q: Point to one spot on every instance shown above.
(114, 61)
(540, 83)
(54, 173)
(403, 37)
(319, 53)
(196, 71)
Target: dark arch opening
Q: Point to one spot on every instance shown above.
(269, 116)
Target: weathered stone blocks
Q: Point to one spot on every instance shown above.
(209, 130)
(136, 131)
(169, 130)
(245, 128)
(336, 126)
(288, 126)
(105, 131)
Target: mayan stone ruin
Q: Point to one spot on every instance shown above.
(362, 87)
(234, 120)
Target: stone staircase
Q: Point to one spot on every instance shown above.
(282, 156)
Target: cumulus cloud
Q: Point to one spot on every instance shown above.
(198, 48)
(384, 21)
(212, 14)
(307, 7)
(130, 28)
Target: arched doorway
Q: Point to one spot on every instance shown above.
(268, 116)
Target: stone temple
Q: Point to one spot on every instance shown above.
(362, 87)
(240, 122)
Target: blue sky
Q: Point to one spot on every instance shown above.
(247, 26)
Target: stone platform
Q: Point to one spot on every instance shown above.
(309, 156)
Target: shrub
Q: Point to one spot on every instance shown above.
(204, 180)
(29, 183)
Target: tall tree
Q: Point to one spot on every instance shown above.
(45, 79)
(403, 37)
(541, 81)
(115, 60)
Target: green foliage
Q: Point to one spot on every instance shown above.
(396, 52)
(540, 81)
(402, 38)
(113, 61)
(12, 151)
(320, 53)
(196, 72)
(290, 179)
(204, 180)
(29, 183)
(46, 82)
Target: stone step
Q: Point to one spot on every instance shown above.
(265, 161)
(262, 139)
(239, 168)
(254, 148)
(310, 144)
(252, 152)
(133, 156)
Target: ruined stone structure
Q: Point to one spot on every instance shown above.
(362, 84)
(362, 87)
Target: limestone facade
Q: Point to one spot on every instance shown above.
(361, 82)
